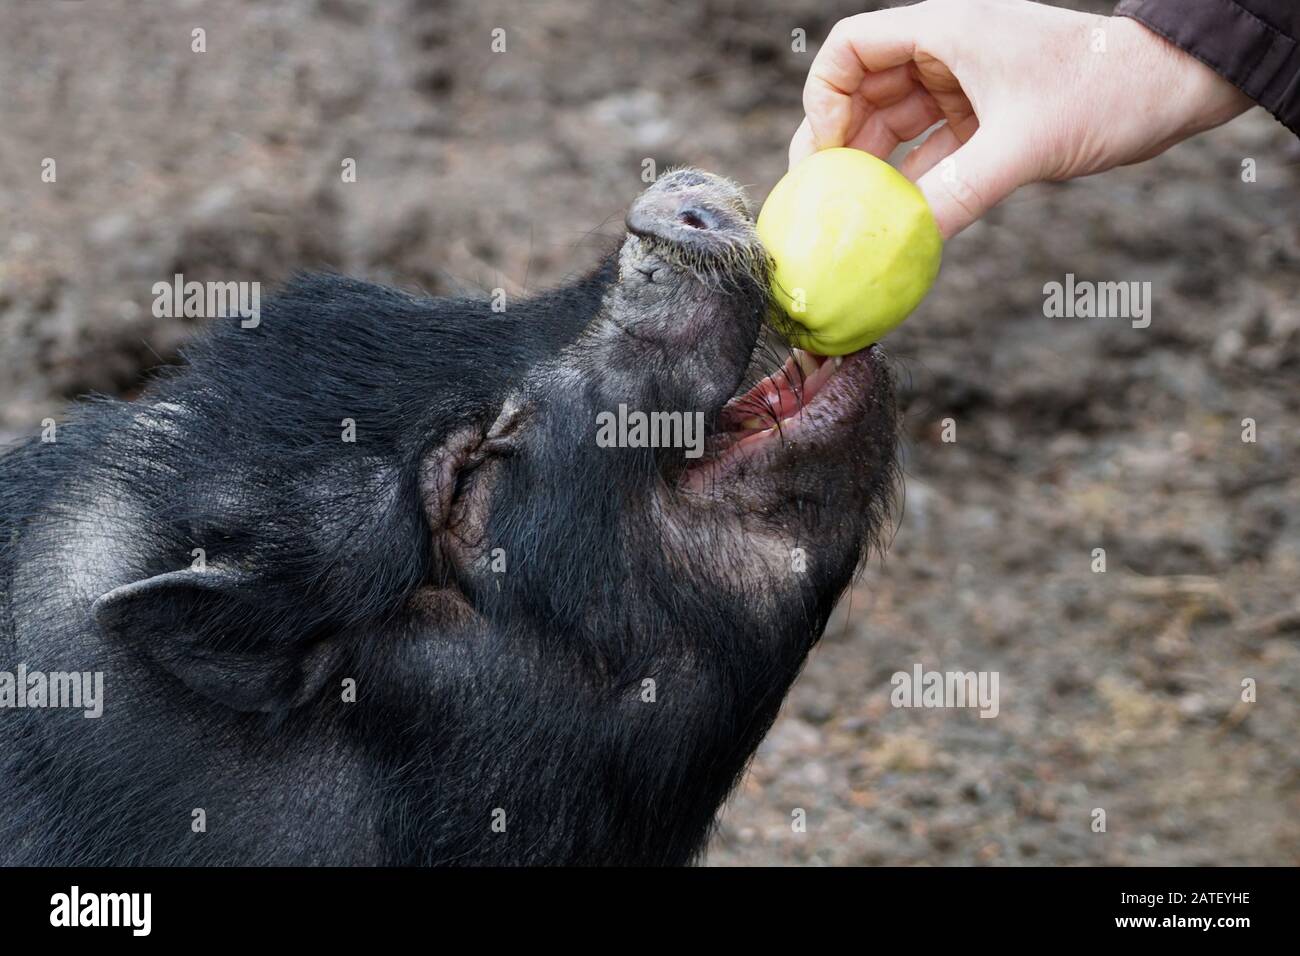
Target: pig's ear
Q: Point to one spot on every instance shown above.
(194, 624)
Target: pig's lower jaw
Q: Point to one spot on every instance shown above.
(812, 401)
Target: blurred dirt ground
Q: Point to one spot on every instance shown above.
(1119, 691)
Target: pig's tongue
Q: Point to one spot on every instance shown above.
(781, 395)
(777, 408)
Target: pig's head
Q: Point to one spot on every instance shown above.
(667, 485)
(561, 560)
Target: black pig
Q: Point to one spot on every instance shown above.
(561, 652)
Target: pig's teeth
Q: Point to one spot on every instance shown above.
(753, 421)
(839, 360)
(807, 362)
(816, 380)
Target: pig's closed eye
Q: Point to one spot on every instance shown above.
(492, 449)
(455, 484)
(464, 480)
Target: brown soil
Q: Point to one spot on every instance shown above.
(1119, 691)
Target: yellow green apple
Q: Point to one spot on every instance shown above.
(855, 248)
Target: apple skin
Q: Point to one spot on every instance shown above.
(855, 249)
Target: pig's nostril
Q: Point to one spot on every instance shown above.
(695, 219)
(678, 219)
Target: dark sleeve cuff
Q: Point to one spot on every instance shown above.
(1254, 44)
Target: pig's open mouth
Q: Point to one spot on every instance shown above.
(805, 429)
(811, 401)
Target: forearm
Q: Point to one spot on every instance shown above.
(1254, 44)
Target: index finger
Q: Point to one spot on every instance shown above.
(855, 48)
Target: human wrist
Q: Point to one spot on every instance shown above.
(1189, 95)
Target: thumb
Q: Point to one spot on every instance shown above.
(802, 145)
(966, 184)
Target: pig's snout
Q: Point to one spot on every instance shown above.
(693, 280)
(694, 210)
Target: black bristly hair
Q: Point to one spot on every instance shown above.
(523, 695)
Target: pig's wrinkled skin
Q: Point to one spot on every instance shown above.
(502, 715)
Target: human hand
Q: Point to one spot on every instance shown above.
(1025, 92)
